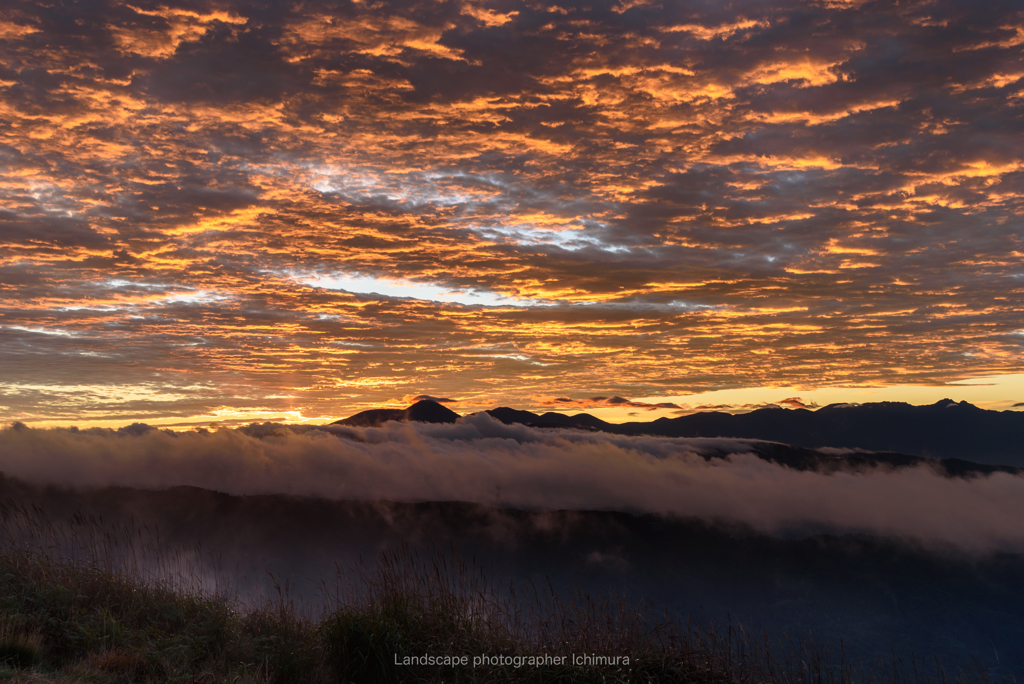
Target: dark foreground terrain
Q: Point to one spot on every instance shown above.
(868, 600)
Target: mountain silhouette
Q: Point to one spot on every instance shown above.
(425, 411)
(959, 439)
(945, 429)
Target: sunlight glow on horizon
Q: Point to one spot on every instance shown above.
(996, 393)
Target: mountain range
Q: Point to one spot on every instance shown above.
(944, 430)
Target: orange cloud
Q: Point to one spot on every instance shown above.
(310, 211)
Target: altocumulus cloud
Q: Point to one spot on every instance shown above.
(481, 460)
(448, 197)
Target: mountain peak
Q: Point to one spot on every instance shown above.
(424, 411)
(949, 403)
(429, 411)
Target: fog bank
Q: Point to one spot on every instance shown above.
(482, 460)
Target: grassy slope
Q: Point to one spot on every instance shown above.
(63, 622)
(81, 602)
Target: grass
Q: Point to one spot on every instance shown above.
(83, 602)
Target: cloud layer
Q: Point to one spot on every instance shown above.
(483, 461)
(222, 209)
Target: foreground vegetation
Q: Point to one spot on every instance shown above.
(80, 602)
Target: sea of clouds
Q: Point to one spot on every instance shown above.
(484, 461)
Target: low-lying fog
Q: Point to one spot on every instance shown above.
(483, 461)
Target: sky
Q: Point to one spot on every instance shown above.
(223, 212)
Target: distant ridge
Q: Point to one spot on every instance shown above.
(897, 433)
(945, 429)
(425, 411)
